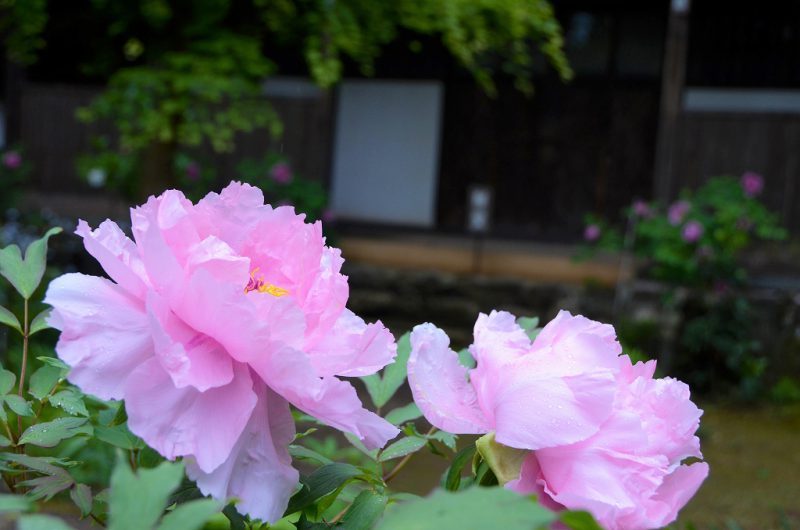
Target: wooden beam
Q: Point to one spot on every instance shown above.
(672, 83)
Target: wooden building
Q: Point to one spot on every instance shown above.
(665, 95)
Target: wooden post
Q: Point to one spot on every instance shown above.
(672, 82)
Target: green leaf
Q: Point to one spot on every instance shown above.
(322, 482)
(382, 388)
(81, 495)
(304, 453)
(403, 414)
(118, 436)
(7, 380)
(43, 464)
(452, 480)
(236, 520)
(18, 405)
(402, 447)
(466, 358)
(9, 319)
(358, 444)
(54, 361)
(5, 442)
(191, 515)
(50, 433)
(530, 325)
(448, 439)
(138, 500)
(14, 503)
(26, 274)
(44, 380)
(469, 508)
(70, 402)
(579, 521)
(39, 322)
(365, 511)
(42, 522)
(48, 486)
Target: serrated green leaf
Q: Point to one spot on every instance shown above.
(191, 515)
(138, 500)
(44, 380)
(48, 486)
(70, 402)
(18, 405)
(469, 508)
(403, 414)
(322, 482)
(14, 503)
(452, 480)
(25, 274)
(402, 447)
(42, 522)
(381, 388)
(39, 322)
(50, 433)
(9, 319)
(448, 439)
(366, 510)
(7, 380)
(81, 495)
(43, 464)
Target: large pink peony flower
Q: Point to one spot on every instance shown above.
(602, 434)
(220, 315)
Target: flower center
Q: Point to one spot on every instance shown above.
(259, 285)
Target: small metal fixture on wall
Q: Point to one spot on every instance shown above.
(479, 216)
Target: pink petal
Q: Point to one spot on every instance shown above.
(566, 325)
(258, 470)
(353, 348)
(677, 489)
(184, 422)
(160, 261)
(189, 357)
(531, 482)
(104, 332)
(499, 340)
(534, 410)
(117, 254)
(323, 295)
(231, 215)
(290, 373)
(439, 384)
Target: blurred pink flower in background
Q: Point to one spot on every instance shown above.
(328, 215)
(641, 208)
(752, 183)
(220, 315)
(192, 171)
(677, 211)
(601, 433)
(281, 173)
(591, 233)
(12, 159)
(692, 231)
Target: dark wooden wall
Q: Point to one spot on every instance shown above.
(53, 138)
(723, 143)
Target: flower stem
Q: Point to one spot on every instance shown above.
(21, 388)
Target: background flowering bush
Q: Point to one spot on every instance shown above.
(694, 247)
